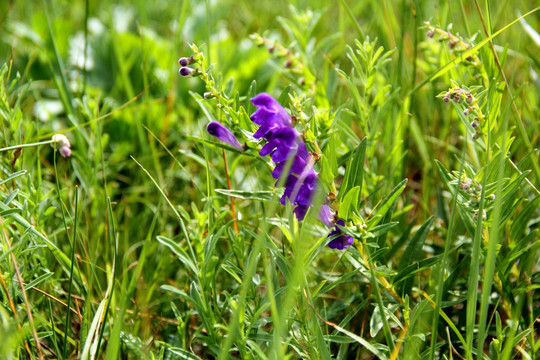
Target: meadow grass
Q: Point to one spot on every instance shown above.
(153, 240)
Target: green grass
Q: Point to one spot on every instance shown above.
(155, 241)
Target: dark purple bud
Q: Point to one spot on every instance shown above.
(222, 133)
(288, 63)
(430, 33)
(185, 61)
(466, 112)
(271, 49)
(474, 124)
(446, 97)
(469, 58)
(186, 71)
(469, 98)
(452, 44)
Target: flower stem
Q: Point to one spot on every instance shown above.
(15, 147)
(235, 223)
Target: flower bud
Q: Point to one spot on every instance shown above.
(484, 215)
(185, 61)
(185, 71)
(327, 216)
(465, 184)
(430, 33)
(61, 143)
(222, 133)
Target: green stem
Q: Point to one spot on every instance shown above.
(15, 147)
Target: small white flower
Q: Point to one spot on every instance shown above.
(61, 143)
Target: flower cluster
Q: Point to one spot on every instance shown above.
(288, 151)
(61, 143)
(468, 102)
(458, 95)
(474, 189)
(455, 43)
(285, 145)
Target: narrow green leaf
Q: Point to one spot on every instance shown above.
(13, 176)
(348, 206)
(355, 171)
(413, 252)
(178, 251)
(248, 195)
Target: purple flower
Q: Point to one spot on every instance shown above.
(300, 162)
(282, 145)
(285, 144)
(339, 240)
(222, 133)
(269, 111)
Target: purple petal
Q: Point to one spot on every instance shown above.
(300, 212)
(267, 130)
(267, 149)
(326, 215)
(65, 151)
(222, 133)
(305, 194)
(269, 110)
(342, 241)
